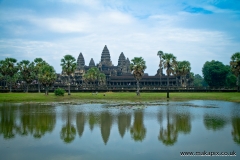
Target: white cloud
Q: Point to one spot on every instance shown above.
(88, 32)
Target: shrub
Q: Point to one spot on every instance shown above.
(59, 92)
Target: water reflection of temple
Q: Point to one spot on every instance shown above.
(38, 120)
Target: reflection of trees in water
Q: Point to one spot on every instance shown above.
(68, 131)
(168, 136)
(176, 123)
(8, 125)
(183, 122)
(106, 124)
(36, 120)
(236, 129)
(213, 122)
(138, 130)
(124, 122)
(80, 121)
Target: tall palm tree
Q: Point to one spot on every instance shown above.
(235, 66)
(169, 63)
(27, 71)
(39, 62)
(160, 54)
(9, 69)
(184, 69)
(69, 65)
(101, 78)
(138, 67)
(92, 75)
(47, 76)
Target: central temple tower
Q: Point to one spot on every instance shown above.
(105, 57)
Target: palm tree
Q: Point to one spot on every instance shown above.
(137, 67)
(160, 54)
(69, 65)
(169, 63)
(184, 69)
(39, 62)
(235, 66)
(101, 78)
(93, 75)
(47, 76)
(27, 71)
(9, 69)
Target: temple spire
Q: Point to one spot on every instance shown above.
(91, 63)
(105, 57)
(80, 61)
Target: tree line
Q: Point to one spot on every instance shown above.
(215, 73)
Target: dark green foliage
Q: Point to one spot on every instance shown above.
(199, 81)
(47, 76)
(215, 73)
(59, 92)
(231, 80)
(93, 74)
(8, 70)
(27, 71)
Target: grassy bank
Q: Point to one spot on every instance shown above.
(117, 96)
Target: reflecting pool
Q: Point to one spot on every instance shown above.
(158, 130)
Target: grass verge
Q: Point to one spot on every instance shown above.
(118, 96)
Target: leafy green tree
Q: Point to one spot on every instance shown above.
(215, 73)
(93, 75)
(190, 78)
(138, 67)
(9, 69)
(160, 54)
(169, 63)
(184, 68)
(47, 76)
(101, 78)
(235, 67)
(27, 71)
(231, 79)
(39, 62)
(69, 65)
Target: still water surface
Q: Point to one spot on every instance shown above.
(108, 131)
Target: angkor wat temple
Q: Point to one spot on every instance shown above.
(117, 77)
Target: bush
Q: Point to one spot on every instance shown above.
(59, 92)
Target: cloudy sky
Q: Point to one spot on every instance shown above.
(193, 30)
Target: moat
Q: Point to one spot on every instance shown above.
(115, 131)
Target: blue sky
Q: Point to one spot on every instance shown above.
(193, 30)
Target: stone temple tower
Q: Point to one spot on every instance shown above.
(80, 62)
(91, 63)
(105, 57)
(123, 63)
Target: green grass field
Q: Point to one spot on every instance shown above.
(118, 96)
